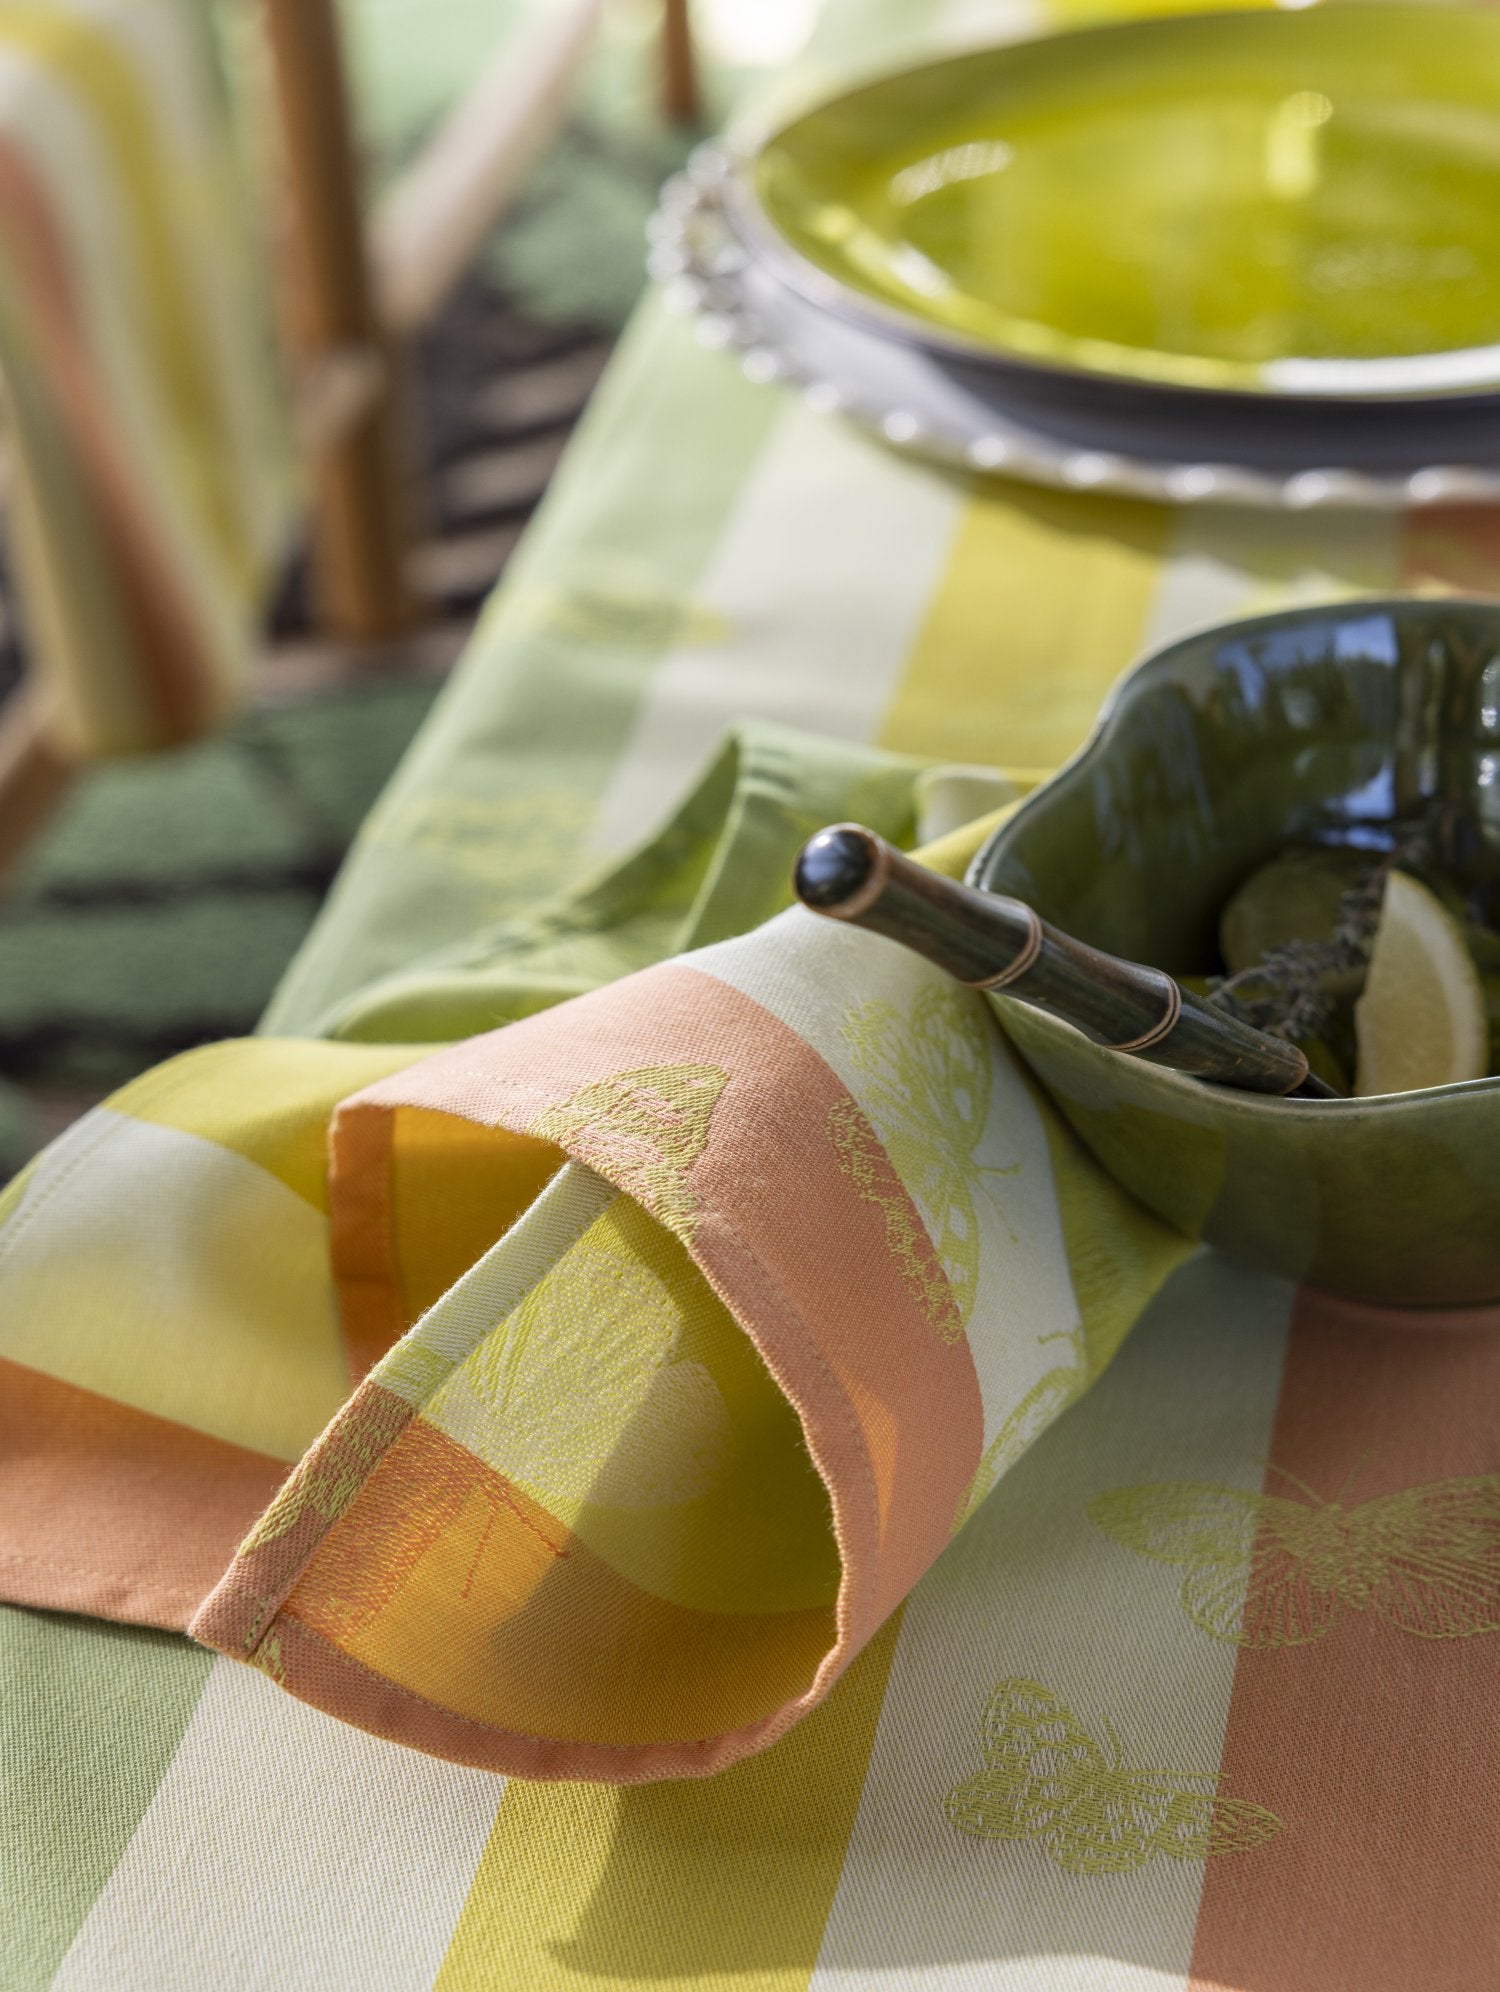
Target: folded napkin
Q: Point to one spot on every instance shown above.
(687, 1317)
(150, 488)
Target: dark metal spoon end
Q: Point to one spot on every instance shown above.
(837, 869)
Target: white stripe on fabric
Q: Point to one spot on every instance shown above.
(1033, 1589)
(819, 582)
(493, 1287)
(1025, 1320)
(222, 267)
(286, 1852)
(165, 1271)
(1225, 563)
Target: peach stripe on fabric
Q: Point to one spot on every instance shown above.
(113, 1512)
(1451, 546)
(235, 1616)
(1377, 1748)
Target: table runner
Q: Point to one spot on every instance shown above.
(833, 1859)
(151, 471)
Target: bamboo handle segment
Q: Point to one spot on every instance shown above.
(992, 942)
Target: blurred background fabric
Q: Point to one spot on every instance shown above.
(214, 858)
(149, 468)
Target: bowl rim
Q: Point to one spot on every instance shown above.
(1138, 677)
(752, 135)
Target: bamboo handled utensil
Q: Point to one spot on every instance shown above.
(988, 941)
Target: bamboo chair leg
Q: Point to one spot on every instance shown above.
(433, 222)
(34, 778)
(360, 529)
(681, 95)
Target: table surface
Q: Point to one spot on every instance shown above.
(714, 549)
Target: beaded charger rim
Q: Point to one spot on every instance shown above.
(710, 276)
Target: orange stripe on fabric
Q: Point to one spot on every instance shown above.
(1043, 605)
(697, 1885)
(109, 1511)
(1376, 1747)
(273, 1556)
(915, 1395)
(456, 1189)
(361, 1238)
(169, 645)
(1452, 547)
(449, 1581)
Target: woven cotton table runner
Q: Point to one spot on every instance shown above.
(172, 1817)
(697, 1317)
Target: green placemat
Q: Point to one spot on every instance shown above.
(167, 897)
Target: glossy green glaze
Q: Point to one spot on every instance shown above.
(1322, 724)
(1292, 202)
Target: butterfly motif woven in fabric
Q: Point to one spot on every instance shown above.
(1046, 1779)
(928, 1082)
(1267, 1571)
(646, 1128)
(583, 1393)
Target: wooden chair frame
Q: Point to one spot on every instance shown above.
(358, 289)
(360, 292)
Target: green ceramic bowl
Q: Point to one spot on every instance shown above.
(1321, 724)
(1293, 203)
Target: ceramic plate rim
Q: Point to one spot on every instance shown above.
(747, 141)
(700, 283)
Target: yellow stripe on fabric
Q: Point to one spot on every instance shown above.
(1043, 605)
(188, 1282)
(55, 532)
(267, 1099)
(622, 1395)
(166, 1272)
(100, 73)
(952, 855)
(690, 1883)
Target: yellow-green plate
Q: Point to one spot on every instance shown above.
(1299, 203)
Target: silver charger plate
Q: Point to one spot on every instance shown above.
(968, 417)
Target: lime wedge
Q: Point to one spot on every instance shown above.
(1421, 1020)
(1296, 897)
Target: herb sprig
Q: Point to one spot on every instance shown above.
(1296, 991)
